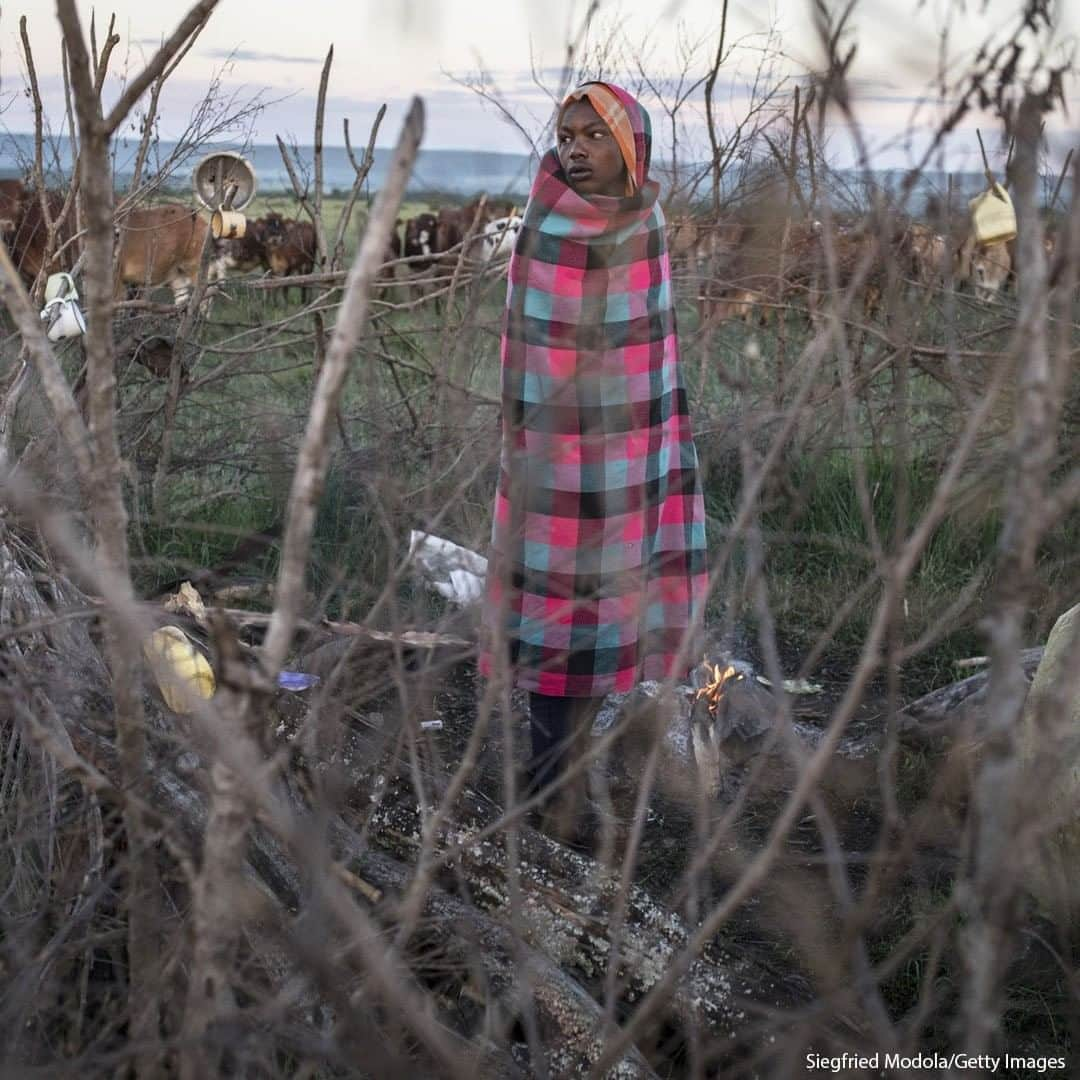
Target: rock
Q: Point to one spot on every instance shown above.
(711, 747)
(696, 742)
(1050, 751)
(744, 714)
(643, 701)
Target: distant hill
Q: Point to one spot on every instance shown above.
(454, 172)
(459, 172)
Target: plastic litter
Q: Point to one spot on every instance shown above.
(295, 681)
(451, 570)
(795, 686)
(182, 673)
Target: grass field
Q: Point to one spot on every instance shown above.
(239, 434)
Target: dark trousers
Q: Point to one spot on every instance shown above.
(559, 727)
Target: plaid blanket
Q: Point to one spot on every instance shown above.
(598, 557)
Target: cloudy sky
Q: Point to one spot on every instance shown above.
(387, 50)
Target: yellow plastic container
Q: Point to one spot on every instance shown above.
(182, 672)
(992, 216)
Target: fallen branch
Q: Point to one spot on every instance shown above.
(935, 719)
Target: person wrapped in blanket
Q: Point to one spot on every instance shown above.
(597, 569)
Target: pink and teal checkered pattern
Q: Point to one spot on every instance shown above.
(598, 559)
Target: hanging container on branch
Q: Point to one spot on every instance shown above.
(225, 182)
(993, 219)
(61, 310)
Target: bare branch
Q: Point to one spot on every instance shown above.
(298, 189)
(66, 412)
(361, 169)
(320, 113)
(710, 119)
(189, 25)
(101, 64)
(311, 467)
(150, 116)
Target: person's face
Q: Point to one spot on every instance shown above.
(588, 152)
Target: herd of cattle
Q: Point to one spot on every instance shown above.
(748, 270)
(156, 245)
(738, 269)
(163, 245)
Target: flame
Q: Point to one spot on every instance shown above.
(713, 691)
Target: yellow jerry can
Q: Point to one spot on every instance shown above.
(183, 674)
(992, 216)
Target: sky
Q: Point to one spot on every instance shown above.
(388, 50)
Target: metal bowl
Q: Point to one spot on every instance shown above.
(217, 173)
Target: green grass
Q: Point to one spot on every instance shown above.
(816, 533)
(817, 542)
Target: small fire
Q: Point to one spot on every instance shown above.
(713, 691)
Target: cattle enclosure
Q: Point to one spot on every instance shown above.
(343, 881)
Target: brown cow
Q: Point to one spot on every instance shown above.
(766, 261)
(684, 242)
(22, 225)
(991, 270)
(32, 235)
(13, 197)
(450, 226)
(924, 254)
(988, 267)
(432, 241)
(418, 246)
(744, 305)
(249, 251)
(717, 260)
(815, 254)
(290, 248)
(453, 224)
(163, 245)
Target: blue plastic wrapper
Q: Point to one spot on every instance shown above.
(296, 681)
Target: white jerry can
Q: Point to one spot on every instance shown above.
(992, 216)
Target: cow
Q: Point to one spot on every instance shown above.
(453, 224)
(924, 255)
(746, 263)
(248, 252)
(766, 262)
(32, 238)
(814, 255)
(499, 237)
(743, 305)
(991, 270)
(290, 248)
(13, 198)
(987, 267)
(684, 239)
(23, 227)
(856, 249)
(418, 246)
(433, 240)
(163, 245)
(717, 256)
